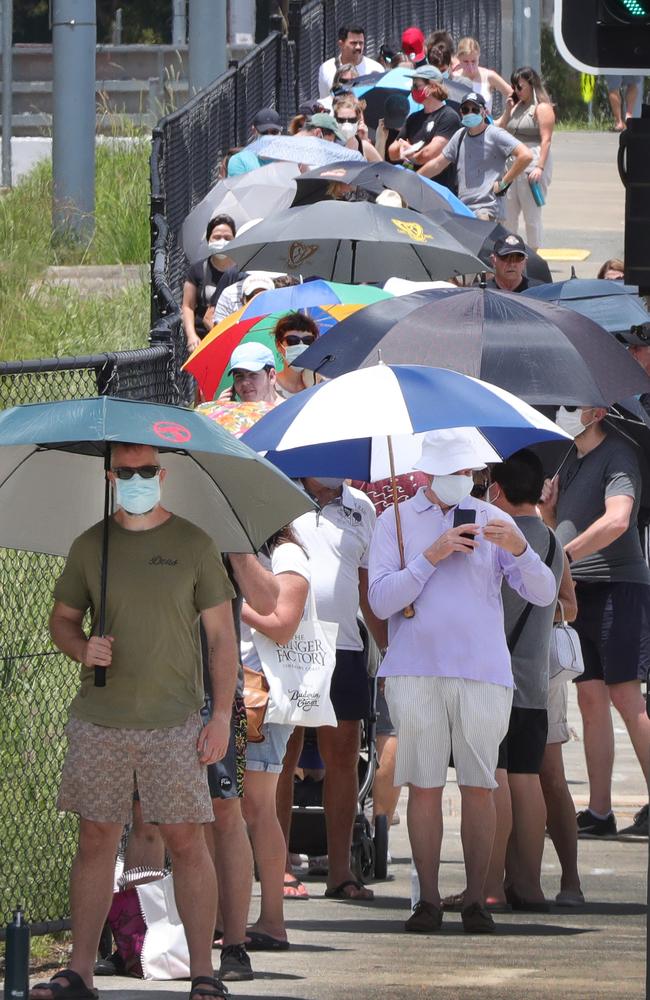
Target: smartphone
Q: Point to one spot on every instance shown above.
(514, 97)
(464, 517)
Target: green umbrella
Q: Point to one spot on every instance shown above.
(52, 487)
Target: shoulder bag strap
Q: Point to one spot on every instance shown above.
(523, 617)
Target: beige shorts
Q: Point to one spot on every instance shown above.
(101, 763)
(434, 716)
(558, 728)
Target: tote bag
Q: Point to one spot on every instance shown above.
(299, 672)
(565, 661)
(148, 932)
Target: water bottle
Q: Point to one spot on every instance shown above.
(17, 958)
(415, 886)
(537, 193)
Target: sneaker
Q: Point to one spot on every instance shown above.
(425, 919)
(590, 826)
(639, 827)
(477, 920)
(235, 964)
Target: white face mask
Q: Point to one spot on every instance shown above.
(451, 490)
(291, 353)
(349, 129)
(571, 421)
(215, 246)
(493, 493)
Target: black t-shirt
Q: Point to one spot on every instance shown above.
(423, 126)
(521, 287)
(210, 283)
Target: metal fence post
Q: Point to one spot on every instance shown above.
(207, 41)
(7, 83)
(74, 40)
(527, 34)
(179, 22)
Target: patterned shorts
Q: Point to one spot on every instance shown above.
(101, 762)
(226, 777)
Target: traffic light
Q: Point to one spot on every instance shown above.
(611, 36)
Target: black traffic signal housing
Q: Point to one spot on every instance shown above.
(604, 35)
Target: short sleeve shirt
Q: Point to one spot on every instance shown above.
(159, 581)
(337, 538)
(609, 470)
(424, 126)
(480, 161)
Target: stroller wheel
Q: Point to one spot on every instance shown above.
(381, 846)
(363, 851)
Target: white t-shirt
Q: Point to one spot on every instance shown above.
(287, 558)
(327, 72)
(337, 539)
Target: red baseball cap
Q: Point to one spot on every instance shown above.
(413, 44)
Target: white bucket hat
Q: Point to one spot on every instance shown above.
(448, 451)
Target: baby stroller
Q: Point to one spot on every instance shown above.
(308, 833)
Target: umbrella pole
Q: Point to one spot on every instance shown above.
(409, 610)
(100, 672)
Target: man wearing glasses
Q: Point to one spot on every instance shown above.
(164, 575)
(480, 151)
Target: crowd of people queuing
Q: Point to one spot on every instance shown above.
(543, 550)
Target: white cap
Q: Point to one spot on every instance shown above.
(449, 451)
(391, 198)
(251, 357)
(256, 282)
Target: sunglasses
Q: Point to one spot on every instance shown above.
(519, 84)
(144, 471)
(273, 131)
(342, 121)
(468, 109)
(292, 339)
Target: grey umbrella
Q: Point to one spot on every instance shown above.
(355, 242)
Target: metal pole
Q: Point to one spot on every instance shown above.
(527, 34)
(207, 42)
(179, 22)
(117, 27)
(7, 74)
(74, 41)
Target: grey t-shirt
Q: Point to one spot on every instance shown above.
(481, 160)
(610, 470)
(530, 655)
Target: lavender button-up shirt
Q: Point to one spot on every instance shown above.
(457, 630)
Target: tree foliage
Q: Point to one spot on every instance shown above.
(142, 21)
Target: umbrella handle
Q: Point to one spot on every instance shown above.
(409, 610)
(100, 672)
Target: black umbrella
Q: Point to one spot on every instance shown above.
(615, 306)
(357, 242)
(544, 354)
(480, 236)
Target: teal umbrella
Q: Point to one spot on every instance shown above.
(52, 487)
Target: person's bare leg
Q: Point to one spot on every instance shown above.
(477, 826)
(385, 794)
(284, 801)
(598, 733)
(339, 748)
(233, 860)
(616, 106)
(630, 704)
(424, 820)
(144, 847)
(195, 890)
(269, 848)
(494, 890)
(560, 816)
(524, 857)
(631, 92)
(91, 893)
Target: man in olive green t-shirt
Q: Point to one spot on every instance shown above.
(164, 574)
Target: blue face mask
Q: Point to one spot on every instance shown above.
(471, 121)
(136, 495)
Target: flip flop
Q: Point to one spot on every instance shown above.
(338, 892)
(296, 884)
(74, 989)
(259, 941)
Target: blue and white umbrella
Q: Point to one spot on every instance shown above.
(301, 149)
(341, 427)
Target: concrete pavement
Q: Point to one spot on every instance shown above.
(341, 950)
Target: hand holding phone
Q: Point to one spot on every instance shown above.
(464, 517)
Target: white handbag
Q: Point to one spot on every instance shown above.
(565, 661)
(299, 673)
(165, 954)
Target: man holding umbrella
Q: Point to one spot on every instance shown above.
(164, 574)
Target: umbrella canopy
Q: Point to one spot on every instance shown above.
(614, 306)
(249, 196)
(311, 293)
(340, 427)
(52, 483)
(376, 87)
(545, 354)
(236, 417)
(420, 193)
(209, 362)
(301, 149)
(479, 236)
(353, 242)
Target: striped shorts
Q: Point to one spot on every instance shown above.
(434, 716)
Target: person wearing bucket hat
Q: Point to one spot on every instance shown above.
(426, 132)
(487, 159)
(447, 666)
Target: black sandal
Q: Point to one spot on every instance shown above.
(74, 988)
(197, 990)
